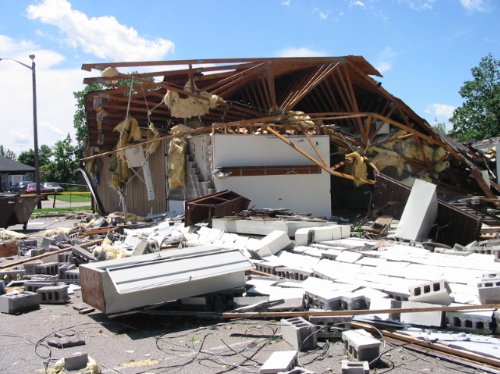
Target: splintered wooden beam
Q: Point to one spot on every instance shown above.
(238, 80)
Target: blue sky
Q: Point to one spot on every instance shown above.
(425, 49)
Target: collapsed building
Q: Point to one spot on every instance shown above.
(309, 134)
(270, 162)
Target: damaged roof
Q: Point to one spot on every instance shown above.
(338, 95)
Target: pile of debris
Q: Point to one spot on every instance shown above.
(323, 280)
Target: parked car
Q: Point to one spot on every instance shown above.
(20, 187)
(53, 187)
(31, 189)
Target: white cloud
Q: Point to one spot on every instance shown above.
(419, 5)
(384, 66)
(300, 52)
(322, 14)
(385, 60)
(477, 5)
(286, 2)
(55, 102)
(102, 36)
(357, 3)
(440, 112)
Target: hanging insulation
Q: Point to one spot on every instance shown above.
(358, 168)
(176, 158)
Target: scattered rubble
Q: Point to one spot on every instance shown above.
(322, 280)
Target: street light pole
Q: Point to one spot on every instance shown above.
(35, 132)
(35, 124)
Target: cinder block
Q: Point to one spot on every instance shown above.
(355, 367)
(33, 285)
(268, 267)
(348, 256)
(53, 294)
(331, 327)
(50, 268)
(436, 292)
(325, 233)
(76, 361)
(48, 241)
(37, 251)
(419, 213)
(434, 319)
(354, 302)
(27, 243)
(63, 257)
(272, 243)
(361, 345)
(29, 267)
(474, 322)
(303, 236)
(72, 276)
(9, 275)
(378, 303)
(63, 269)
(279, 361)
(489, 291)
(299, 333)
(326, 300)
(295, 274)
(19, 302)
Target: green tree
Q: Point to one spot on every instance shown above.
(479, 116)
(440, 127)
(63, 164)
(28, 157)
(79, 116)
(7, 153)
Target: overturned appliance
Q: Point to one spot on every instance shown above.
(124, 285)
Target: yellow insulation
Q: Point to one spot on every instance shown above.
(176, 158)
(386, 158)
(358, 167)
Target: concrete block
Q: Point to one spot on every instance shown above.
(279, 361)
(72, 276)
(46, 241)
(331, 327)
(434, 319)
(63, 269)
(34, 285)
(9, 275)
(19, 302)
(473, 322)
(29, 267)
(354, 302)
(325, 233)
(324, 299)
(303, 236)
(349, 257)
(295, 274)
(361, 345)
(76, 361)
(268, 267)
(271, 244)
(378, 303)
(27, 243)
(50, 268)
(63, 257)
(489, 291)
(420, 212)
(436, 292)
(299, 333)
(355, 367)
(53, 294)
(37, 251)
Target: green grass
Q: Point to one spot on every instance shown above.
(48, 211)
(73, 198)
